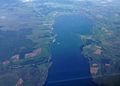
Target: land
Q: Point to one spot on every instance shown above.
(102, 47)
(25, 42)
(26, 37)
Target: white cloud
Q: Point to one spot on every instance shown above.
(2, 17)
(26, 1)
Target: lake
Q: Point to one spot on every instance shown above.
(70, 67)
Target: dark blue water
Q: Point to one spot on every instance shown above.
(70, 67)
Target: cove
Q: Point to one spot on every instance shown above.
(70, 67)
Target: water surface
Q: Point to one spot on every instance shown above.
(70, 67)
